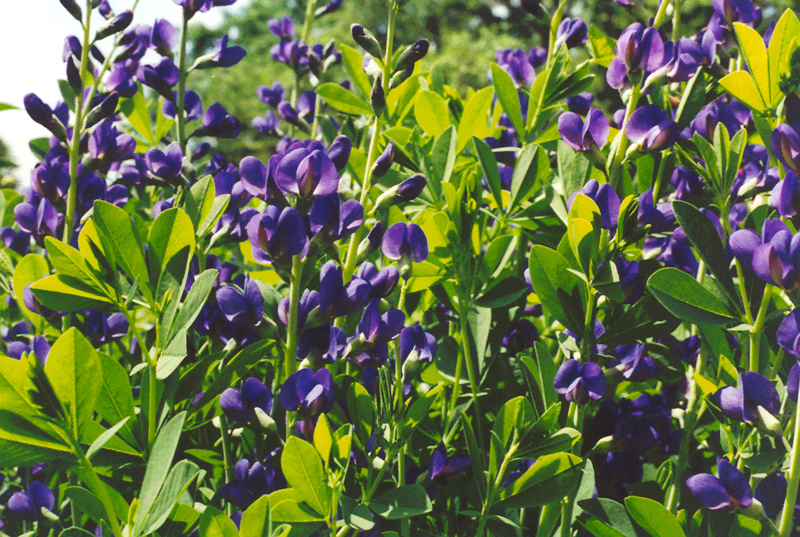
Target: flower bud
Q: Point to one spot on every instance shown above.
(74, 73)
(401, 77)
(384, 161)
(73, 8)
(265, 420)
(115, 25)
(370, 243)
(378, 97)
(412, 55)
(366, 40)
(43, 115)
(410, 189)
(104, 110)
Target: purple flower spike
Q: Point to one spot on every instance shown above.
(732, 11)
(651, 128)
(324, 343)
(337, 299)
(271, 96)
(28, 505)
(307, 393)
(332, 220)
(730, 490)
(307, 173)
(572, 32)
(402, 240)
(221, 55)
(587, 135)
(246, 309)
(164, 37)
(219, 123)
(788, 335)
(283, 29)
(239, 404)
(637, 367)
(579, 383)
(277, 234)
(742, 404)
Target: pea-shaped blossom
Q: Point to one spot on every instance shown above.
(28, 505)
(572, 32)
(785, 196)
(378, 329)
(416, 344)
(741, 404)
(383, 281)
(635, 364)
(239, 404)
(730, 490)
(167, 164)
(307, 393)
(639, 48)
(651, 129)
(774, 257)
(276, 234)
(249, 484)
(771, 492)
(521, 335)
(731, 11)
(788, 335)
(246, 309)
(516, 63)
(307, 173)
(606, 199)
(405, 241)
(580, 382)
(221, 55)
(443, 467)
(337, 299)
(584, 135)
(785, 142)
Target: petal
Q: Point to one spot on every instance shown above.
(761, 391)
(42, 495)
(771, 492)
(418, 243)
(709, 491)
(328, 176)
(570, 127)
(253, 175)
(731, 401)
(231, 403)
(735, 482)
(393, 241)
(744, 244)
(292, 231)
(330, 284)
(594, 380)
(232, 303)
(286, 171)
(793, 382)
(641, 121)
(566, 375)
(295, 389)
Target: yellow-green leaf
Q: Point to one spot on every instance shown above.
(431, 113)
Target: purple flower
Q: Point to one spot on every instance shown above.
(102, 328)
(606, 199)
(580, 382)
(271, 96)
(572, 32)
(785, 197)
(516, 63)
(732, 11)
(239, 404)
(337, 299)
(307, 173)
(277, 234)
(161, 78)
(580, 103)
(788, 334)
(283, 29)
(730, 490)
(651, 129)
(443, 467)
(636, 366)
(636, 49)
(221, 55)
(257, 179)
(785, 143)
(50, 179)
(38, 220)
(742, 404)
(268, 125)
(771, 492)
(252, 482)
(521, 335)
(246, 309)
(28, 505)
(382, 282)
(416, 345)
(307, 393)
(587, 135)
(377, 329)
(166, 165)
(405, 241)
(109, 145)
(192, 105)
(775, 258)
(325, 343)
(219, 123)
(339, 151)
(164, 37)
(683, 59)
(332, 220)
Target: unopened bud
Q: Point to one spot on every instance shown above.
(104, 110)
(115, 25)
(371, 243)
(406, 267)
(410, 189)
(604, 445)
(74, 73)
(384, 161)
(768, 423)
(265, 420)
(43, 115)
(73, 8)
(378, 97)
(366, 40)
(401, 77)
(412, 55)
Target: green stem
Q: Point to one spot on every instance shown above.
(496, 486)
(676, 20)
(758, 327)
(743, 291)
(621, 142)
(693, 404)
(182, 75)
(662, 11)
(77, 133)
(99, 489)
(290, 358)
(787, 517)
(308, 19)
(226, 451)
(588, 325)
(152, 405)
(463, 310)
(776, 367)
(566, 515)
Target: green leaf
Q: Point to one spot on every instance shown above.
(23, 443)
(30, 269)
(172, 242)
(490, 169)
(157, 468)
(302, 468)
(353, 61)
(601, 46)
(418, 410)
(356, 515)
(741, 85)
(255, 520)
(703, 236)
(115, 400)
(653, 517)
(431, 113)
(323, 438)
(240, 363)
(685, 298)
(343, 101)
(558, 289)
(498, 254)
(443, 158)
(69, 532)
(39, 147)
(73, 368)
(754, 52)
(361, 407)
(402, 502)
(645, 319)
(195, 299)
(503, 293)
(215, 523)
(781, 45)
(6, 106)
(178, 480)
(550, 479)
(138, 113)
(693, 99)
(63, 294)
(508, 96)
(88, 503)
(215, 212)
(573, 168)
(199, 200)
(531, 167)
(120, 239)
(474, 121)
(288, 505)
(172, 356)
(609, 518)
(103, 439)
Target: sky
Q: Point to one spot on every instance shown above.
(32, 37)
